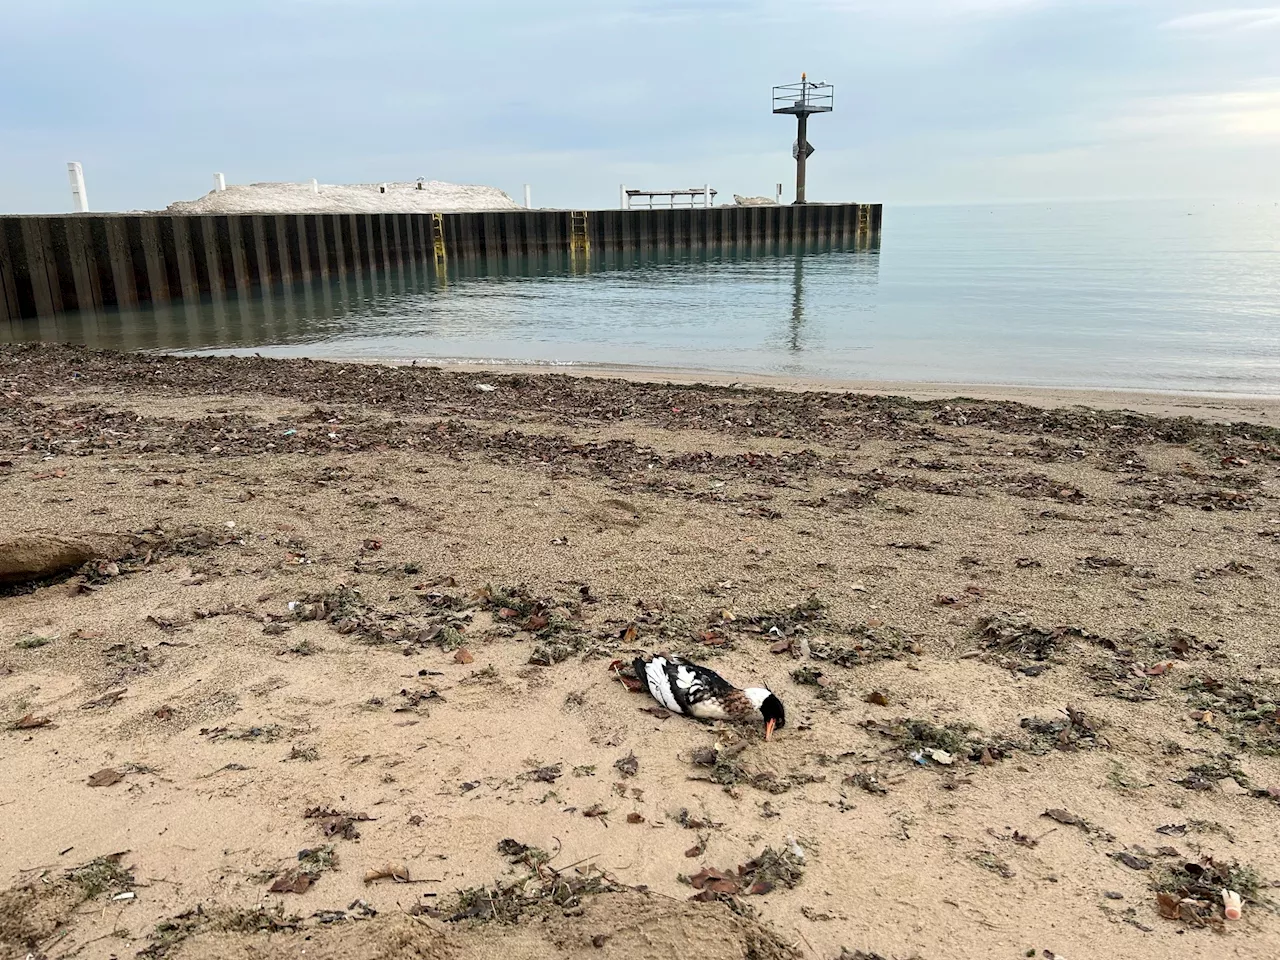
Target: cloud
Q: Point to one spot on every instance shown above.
(1229, 20)
(1250, 115)
(935, 9)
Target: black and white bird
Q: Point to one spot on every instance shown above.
(696, 691)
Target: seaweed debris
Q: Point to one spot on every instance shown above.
(347, 611)
(33, 912)
(539, 891)
(923, 741)
(169, 934)
(1193, 891)
(1076, 731)
(868, 643)
(1015, 637)
(1250, 707)
(761, 874)
(728, 769)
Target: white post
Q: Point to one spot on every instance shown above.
(706, 195)
(79, 198)
(219, 183)
(622, 197)
(528, 197)
(778, 196)
(315, 185)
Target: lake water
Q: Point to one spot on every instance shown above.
(1165, 296)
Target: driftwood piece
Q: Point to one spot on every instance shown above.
(36, 556)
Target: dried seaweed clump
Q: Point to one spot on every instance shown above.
(33, 912)
(1016, 635)
(785, 622)
(1250, 709)
(728, 769)
(868, 643)
(922, 740)
(556, 625)
(539, 891)
(1193, 892)
(345, 609)
(169, 934)
(1076, 731)
(762, 874)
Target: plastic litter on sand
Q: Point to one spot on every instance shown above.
(1231, 905)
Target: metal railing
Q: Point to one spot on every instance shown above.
(804, 97)
(702, 196)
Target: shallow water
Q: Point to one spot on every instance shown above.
(1166, 296)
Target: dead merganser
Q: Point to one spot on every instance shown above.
(696, 691)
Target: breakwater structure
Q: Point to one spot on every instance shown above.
(52, 265)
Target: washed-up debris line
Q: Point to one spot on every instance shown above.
(555, 626)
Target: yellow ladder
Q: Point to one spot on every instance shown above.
(437, 236)
(864, 219)
(579, 240)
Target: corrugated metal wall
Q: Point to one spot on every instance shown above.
(55, 264)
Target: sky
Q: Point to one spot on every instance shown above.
(936, 101)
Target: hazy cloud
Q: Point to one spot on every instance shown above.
(1234, 18)
(1241, 116)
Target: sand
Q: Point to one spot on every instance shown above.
(435, 196)
(975, 563)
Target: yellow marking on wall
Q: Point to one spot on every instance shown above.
(579, 239)
(437, 236)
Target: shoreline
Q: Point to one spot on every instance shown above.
(1218, 407)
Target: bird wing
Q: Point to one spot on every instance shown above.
(661, 684)
(687, 688)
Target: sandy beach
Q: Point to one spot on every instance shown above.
(337, 680)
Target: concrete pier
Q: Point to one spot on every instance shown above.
(51, 265)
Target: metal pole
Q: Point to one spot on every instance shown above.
(706, 195)
(802, 142)
(622, 196)
(79, 196)
(528, 197)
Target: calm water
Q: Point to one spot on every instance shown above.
(1174, 296)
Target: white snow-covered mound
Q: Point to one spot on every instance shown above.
(435, 196)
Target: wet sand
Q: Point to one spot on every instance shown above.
(1221, 407)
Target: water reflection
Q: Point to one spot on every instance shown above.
(587, 310)
(794, 342)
